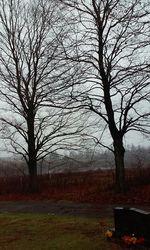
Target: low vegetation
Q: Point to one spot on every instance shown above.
(92, 187)
(47, 232)
(50, 232)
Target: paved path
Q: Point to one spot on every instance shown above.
(61, 208)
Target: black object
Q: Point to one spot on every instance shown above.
(132, 221)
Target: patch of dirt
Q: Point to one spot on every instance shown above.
(62, 208)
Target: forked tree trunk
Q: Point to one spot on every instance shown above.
(119, 153)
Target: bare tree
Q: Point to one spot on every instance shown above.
(33, 85)
(111, 43)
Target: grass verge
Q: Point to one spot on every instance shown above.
(48, 232)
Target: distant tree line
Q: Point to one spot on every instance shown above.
(135, 158)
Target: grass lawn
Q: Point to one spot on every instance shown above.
(48, 232)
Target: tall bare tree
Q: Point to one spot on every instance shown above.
(32, 81)
(111, 43)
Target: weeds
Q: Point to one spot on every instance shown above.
(93, 187)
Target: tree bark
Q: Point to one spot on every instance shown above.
(33, 182)
(119, 153)
(32, 158)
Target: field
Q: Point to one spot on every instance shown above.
(92, 187)
(47, 232)
(20, 231)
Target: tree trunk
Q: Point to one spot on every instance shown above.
(119, 153)
(33, 182)
(32, 159)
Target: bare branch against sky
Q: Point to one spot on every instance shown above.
(111, 42)
(33, 87)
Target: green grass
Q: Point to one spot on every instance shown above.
(48, 232)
